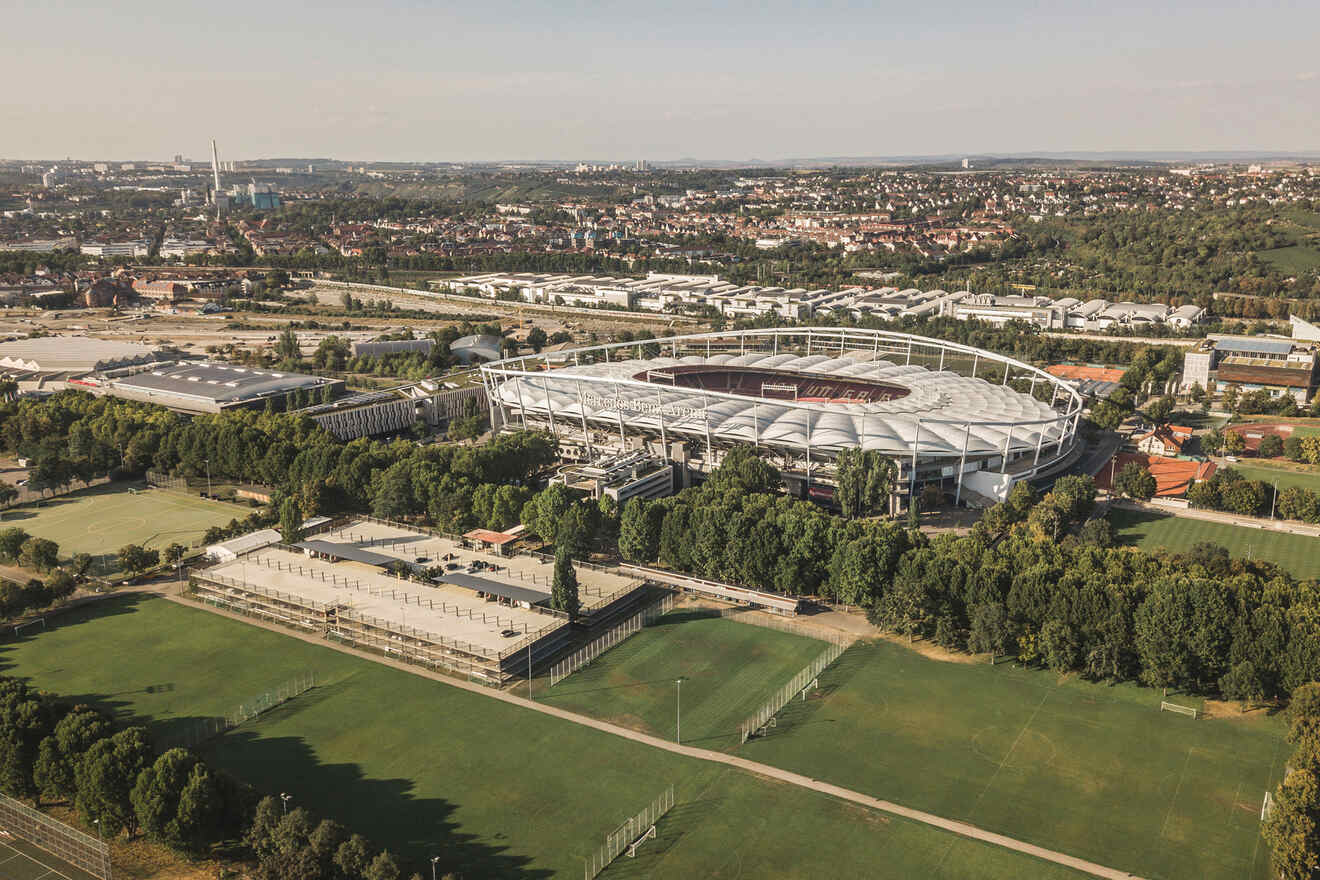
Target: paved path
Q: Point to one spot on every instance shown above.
(171, 592)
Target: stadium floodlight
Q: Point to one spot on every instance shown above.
(285, 797)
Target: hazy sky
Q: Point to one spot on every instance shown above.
(492, 79)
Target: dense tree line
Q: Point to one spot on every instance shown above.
(1292, 826)
(72, 431)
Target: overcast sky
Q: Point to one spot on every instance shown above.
(492, 79)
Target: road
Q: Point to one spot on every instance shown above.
(172, 593)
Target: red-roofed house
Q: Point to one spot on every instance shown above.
(1165, 440)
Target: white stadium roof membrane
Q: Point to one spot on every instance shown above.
(943, 414)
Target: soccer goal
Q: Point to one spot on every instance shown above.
(1266, 806)
(1166, 706)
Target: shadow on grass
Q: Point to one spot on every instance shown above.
(385, 810)
(1124, 520)
(670, 831)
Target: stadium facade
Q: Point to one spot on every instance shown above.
(967, 419)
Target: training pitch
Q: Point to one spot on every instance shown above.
(728, 669)
(1091, 770)
(104, 518)
(496, 790)
(1297, 554)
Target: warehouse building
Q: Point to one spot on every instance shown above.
(208, 387)
(47, 364)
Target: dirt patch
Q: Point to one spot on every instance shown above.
(932, 651)
(1232, 710)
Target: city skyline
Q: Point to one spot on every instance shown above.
(734, 83)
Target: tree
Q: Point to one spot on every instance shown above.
(564, 589)
(536, 338)
(58, 753)
(639, 530)
(1099, 532)
(1134, 480)
(1242, 682)
(80, 564)
(1160, 409)
(291, 520)
(12, 540)
(42, 554)
(200, 817)
(136, 559)
(382, 867)
(287, 347)
(1292, 828)
(989, 632)
(173, 553)
(155, 795)
(1271, 446)
(1234, 443)
(865, 481)
(106, 775)
(353, 856)
(7, 493)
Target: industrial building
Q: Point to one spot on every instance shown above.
(208, 387)
(46, 364)
(392, 410)
(1253, 363)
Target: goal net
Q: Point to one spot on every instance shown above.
(1166, 706)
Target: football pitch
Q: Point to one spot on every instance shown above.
(104, 518)
(728, 669)
(1298, 554)
(1279, 476)
(495, 790)
(1091, 770)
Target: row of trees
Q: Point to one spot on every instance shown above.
(1228, 489)
(1292, 826)
(290, 453)
(1021, 582)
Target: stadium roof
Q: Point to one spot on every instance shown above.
(212, 382)
(72, 354)
(940, 412)
(1254, 346)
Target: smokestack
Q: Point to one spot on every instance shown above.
(215, 171)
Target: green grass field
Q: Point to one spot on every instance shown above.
(1297, 259)
(728, 669)
(1283, 477)
(104, 518)
(1090, 770)
(1298, 554)
(497, 791)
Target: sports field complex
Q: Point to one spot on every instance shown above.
(104, 518)
(1087, 769)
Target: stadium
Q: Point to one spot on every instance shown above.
(969, 420)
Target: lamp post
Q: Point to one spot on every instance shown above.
(434, 860)
(208, 478)
(97, 823)
(285, 798)
(678, 711)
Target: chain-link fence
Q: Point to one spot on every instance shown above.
(629, 835)
(60, 840)
(202, 729)
(753, 725)
(589, 652)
